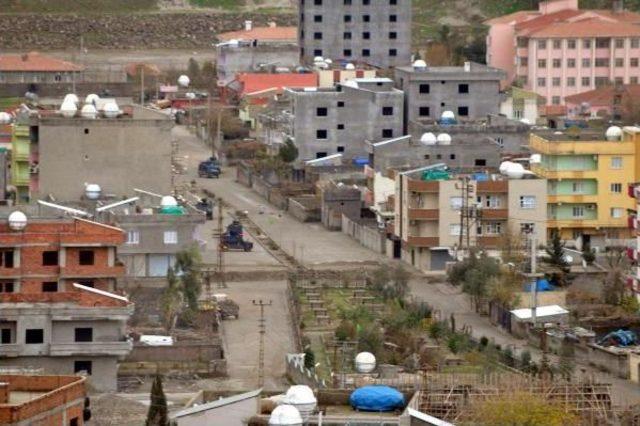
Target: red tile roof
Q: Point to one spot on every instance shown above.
(604, 95)
(544, 20)
(34, 61)
(553, 110)
(262, 34)
(594, 27)
(518, 16)
(255, 82)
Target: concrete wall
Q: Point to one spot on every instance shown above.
(368, 234)
(181, 351)
(634, 367)
(118, 154)
(237, 413)
(305, 209)
(337, 201)
(613, 361)
(247, 58)
(332, 27)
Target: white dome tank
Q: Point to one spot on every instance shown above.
(613, 133)
(184, 80)
(111, 110)
(365, 362)
(5, 117)
(515, 171)
(92, 191)
(449, 115)
(328, 61)
(318, 59)
(428, 139)
(168, 201)
(71, 97)
(190, 95)
(525, 121)
(68, 109)
(17, 221)
(420, 64)
(535, 159)
(350, 67)
(285, 415)
(89, 111)
(351, 83)
(91, 98)
(302, 398)
(504, 166)
(444, 139)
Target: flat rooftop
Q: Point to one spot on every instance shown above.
(585, 135)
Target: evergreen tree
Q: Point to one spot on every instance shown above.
(555, 253)
(288, 152)
(157, 414)
(309, 359)
(193, 71)
(187, 266)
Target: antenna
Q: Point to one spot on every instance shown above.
(117, 204)
(73, 211)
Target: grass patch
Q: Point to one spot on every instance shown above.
(6, 103)
(219, 4)
(78, 6)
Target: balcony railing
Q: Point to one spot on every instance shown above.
(424, 214)
(423, 186)
(423, 241)
(495, 214)
(10, 350)
(121, 348)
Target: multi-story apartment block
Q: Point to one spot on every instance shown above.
(471, 91)
(377, 32)
(560, 50)
(343, 118)
(428, 221)
(57, 311)
(588, 173)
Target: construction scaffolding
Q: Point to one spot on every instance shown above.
(451, 397)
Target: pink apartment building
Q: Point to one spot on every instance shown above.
(560, 50)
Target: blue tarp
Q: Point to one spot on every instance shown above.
(376, 398)
(542, 285)
(361, 161)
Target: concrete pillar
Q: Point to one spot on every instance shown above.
(63, 257)
(4, 393)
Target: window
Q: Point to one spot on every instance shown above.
(522, 42)
(542, 44)
(616, 162)
(527, 201)
(340, 104)
(556, 63)
(602, 62)
(340, 149)
(80, 366)
(480, 162)
(87, 283)
(387, 110)
(452, 156)
(635, 43)
(321, 134)
(86, 131)
(555, 100)
(6, 258)
(346, 53)
(366, 52)
(455, 202)
(463, 111)
(393, 2)
(5, 336)
(424, 111)
(524, 61)
(527, 228)
(633, 80)
(340, 126)
(393, 52)
(571, 81)
(321, 154)
(86, 257)
(500, 139)
(317, 52)
(74, 422)
(619, 43)
(49, 258)
(317, 36)
(578, 187)
(317, 18)
(322, 112)
(393, 18)
(555, 81)
(571, 44)
(542, 82)
(616, 212)
(633, 62)
(171, 237)
(571, 63)
(618, 81)
(619, 62)
(346, 35)
(84, 334)
(586, 43)
(366, 18)
(493, 228)
(50, 287)
(557, 44)
(133, 237)
(603, 43)
(366, 35)
(491, 201)
(454, 229)
(393, 35)
(616, 188)
(586, 81)
(317, 2)
(33, 336)
(425, 88)
(6, 287)
(366, 2)
(387, 133)
(347, 18)
(542, 63)
(578, 211)
(586, 62)
(463, 88)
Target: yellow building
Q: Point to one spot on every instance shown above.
(587, 176)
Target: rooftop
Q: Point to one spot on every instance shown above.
(582, 135)
(258, 82)
(270, 33)
(34, 61)
(469, 67)
(541, 312)
(604, 95)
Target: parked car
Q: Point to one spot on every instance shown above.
(209, 169)
(206, 206)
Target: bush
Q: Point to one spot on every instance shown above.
(525, 359)
(484, 342)
(346, 330)
(437, 330)
(458, 343)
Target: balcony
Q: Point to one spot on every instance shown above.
(423, 186)
(10, 272)
(423, 241)
(424, 214)
(121, 348)
(495, 214)
(493, 186)
(572, 199)
(10, 350)
(573, 223)
(92, 271)
(564, 174)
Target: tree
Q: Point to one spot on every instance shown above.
(309, 359)
(193, 71)
(187, 262)
(555, 253)
(613, 285)
(157, 414)
(171, 301)
(474, 274)
(588, 254)
(288, 152)
(503, 288)
(511, 246)
(209, 77)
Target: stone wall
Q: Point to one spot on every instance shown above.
(125, 31)
(366, 233)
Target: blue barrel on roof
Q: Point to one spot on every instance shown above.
(361, 161)
(377, 398)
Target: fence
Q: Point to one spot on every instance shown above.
(299, 374)
(369, 236)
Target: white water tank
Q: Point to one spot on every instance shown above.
(428, 139)
(92, 191)
(111, 109)
(365, 362)
(71, 97)
(233, 42)
(285, 415)
(302, 398)
(17, 221)
(535, 159)
(525, 121)
(504, 166)
(515, 171)
(168, 201)
(89, 111)
(419, 65)
(156, 340)
(190, 95)
(184, 80)
(91, 98)
(5, 117)
(318, 59)
(68, 109)
(328, 61)
(444, 139)
(613, 133)
(448, 115)
(350, 67)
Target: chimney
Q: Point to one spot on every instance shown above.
(617, 6)
(4, 393)
(248, 25)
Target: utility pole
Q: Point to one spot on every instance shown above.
(141, 84)
(222, 280)
(468, 211)
(262, 329)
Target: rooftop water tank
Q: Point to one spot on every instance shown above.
(71, 97)
(328, 61)
(535, 159)
(444, 139)
(168, 201)
(525, 121)
(302, 398)
(504, 166)
(448, 117)
(515, 171)
(321, 65)
(428, 139)
(68, 109)
(5, 117)
(92, 191)
(184, 80)
(89, 111)
(91, 99)
(419, 65)
(350, 67)
(17, 221)
(365, 362)
(190, 95)
(285, 415)
(233, 42)
(351, 83)
(111, 110)
(613, 133)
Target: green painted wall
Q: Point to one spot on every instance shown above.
(565, 187)
(565, 212)
(569, 162)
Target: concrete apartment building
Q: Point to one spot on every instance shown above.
(427, 214)
(56, 308)
(560, 50)
(471, 91)
(341, 119)
(132, 150)
(588, 173)
(39, 400)
(376, 32)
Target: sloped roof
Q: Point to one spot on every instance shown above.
(587, 28)
(262, 34)
(604, 95)
(218, 403)
(34, 61)
(256, 82)
(544, 20)
(518, 16)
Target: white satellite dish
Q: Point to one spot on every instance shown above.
(184, 80)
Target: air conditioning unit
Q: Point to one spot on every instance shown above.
(591, 207)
